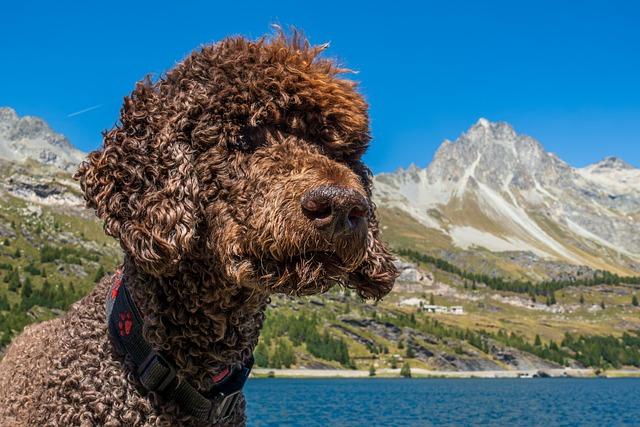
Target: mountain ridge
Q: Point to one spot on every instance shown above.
(29, 137)
(490, 189)
(493, 188)
(53, 250)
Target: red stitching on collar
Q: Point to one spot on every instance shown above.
(117, 282)
(221, 375)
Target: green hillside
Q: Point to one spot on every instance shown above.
(52, 251)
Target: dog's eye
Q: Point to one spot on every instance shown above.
(327, 134)
(249, 138)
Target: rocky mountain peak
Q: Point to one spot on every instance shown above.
(23, 138)
(612, 163)
(7, 113)
(484, 128)
(495, 154)
(495, 188)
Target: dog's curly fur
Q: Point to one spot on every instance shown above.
(201, 183)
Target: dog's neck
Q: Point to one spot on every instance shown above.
(202, 323)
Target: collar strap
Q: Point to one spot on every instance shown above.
(158, 374)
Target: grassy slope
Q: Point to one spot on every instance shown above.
(36, 226)
(28, 228)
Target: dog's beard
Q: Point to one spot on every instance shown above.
(305, 274)
(306, 264)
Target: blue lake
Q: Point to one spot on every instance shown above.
(457, 402)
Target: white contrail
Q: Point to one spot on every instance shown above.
(86, 110)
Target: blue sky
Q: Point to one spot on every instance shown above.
(565, 72)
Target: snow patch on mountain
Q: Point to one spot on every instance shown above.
(467, 237)
(615, 175)
(531, 199)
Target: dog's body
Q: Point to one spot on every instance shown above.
(235, 176)
(65, 372)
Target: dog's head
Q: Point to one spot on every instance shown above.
(246, 158)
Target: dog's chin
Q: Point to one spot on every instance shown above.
(305, 274)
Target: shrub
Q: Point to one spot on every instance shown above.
(261, 355)
(405, 371)
(99, 274)
(283, 354)
(394, 362)
(4, 302)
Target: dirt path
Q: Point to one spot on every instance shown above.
(417, 372)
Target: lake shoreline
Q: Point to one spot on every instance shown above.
(424, 373)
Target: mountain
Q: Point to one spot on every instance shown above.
(495, 190)
(23, 138)
(613, 173)
(52, 250)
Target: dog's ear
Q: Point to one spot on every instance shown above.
(375, 276)
(142, 184)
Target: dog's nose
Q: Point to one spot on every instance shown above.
(335, 209)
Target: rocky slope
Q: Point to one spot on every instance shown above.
(52, 250)
(23, 138)
(495, 189)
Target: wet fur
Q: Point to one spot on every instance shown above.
(201, 182)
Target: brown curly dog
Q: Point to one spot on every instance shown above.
(236, 175)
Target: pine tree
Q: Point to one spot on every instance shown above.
(372, 371)
(538, 341)
(432, 300)
(283, 354)
(14, 281)
(27, 289)
(99, 274)
(581, 299)
(394, 362)
(4, 302)
(410, 353)
(46, 294)
(261, 355)
(634, 300)
(602, 305)
(405, 371)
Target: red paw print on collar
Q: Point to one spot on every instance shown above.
(125, 323)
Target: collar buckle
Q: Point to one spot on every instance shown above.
(156, 373)
(223, 410)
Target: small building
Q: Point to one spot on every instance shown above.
(412, 302)
(456, 309)
(422, 305)
(429, 308)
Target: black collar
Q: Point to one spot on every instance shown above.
(157, 373)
